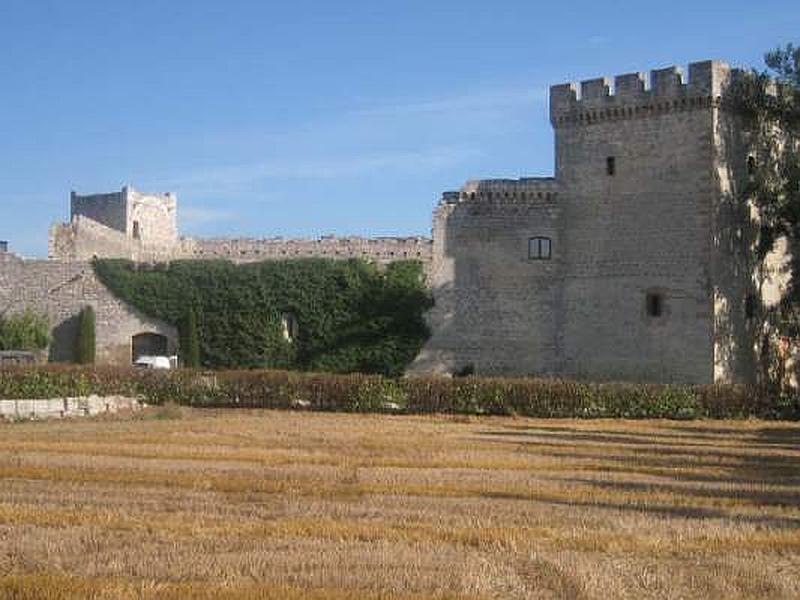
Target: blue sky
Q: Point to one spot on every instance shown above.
(306, 118)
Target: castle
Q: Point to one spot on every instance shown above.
(634, 262)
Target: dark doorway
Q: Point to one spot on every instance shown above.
(148, 344)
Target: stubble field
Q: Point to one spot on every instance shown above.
(179, 504)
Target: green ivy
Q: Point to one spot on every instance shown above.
(352, 315)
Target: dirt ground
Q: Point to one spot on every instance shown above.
(240, 504)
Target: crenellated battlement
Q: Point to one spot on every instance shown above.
(525, 189)
(634, 95)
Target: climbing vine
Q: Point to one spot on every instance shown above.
(351, 315)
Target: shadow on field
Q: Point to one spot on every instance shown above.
(717, 464)
(685, 512)
(686, 439)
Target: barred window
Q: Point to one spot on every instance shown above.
(540, 248)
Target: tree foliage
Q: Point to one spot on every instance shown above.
(86, 336)
(352, 316)
(768, 102)
(27, 331)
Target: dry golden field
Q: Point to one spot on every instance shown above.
(179, 504)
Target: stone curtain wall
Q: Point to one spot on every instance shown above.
(61, 289)
(380, 250)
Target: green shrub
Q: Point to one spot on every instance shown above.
(190, 341)
(27, 331)
(352, 316)
(86, 336)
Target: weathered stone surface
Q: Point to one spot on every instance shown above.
(62, 408)
(60, 289)
(643, 202)
(143, 227)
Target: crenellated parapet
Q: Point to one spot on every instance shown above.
(525, 189)
(633, 95)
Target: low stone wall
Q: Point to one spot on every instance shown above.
(61, 408)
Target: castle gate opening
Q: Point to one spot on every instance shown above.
(148, 344)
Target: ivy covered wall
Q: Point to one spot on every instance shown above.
(341, 316)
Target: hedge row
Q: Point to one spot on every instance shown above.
(374, 393)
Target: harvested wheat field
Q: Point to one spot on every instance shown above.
(186, 504)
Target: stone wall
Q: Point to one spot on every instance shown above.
(60, 289)
(380, 250)
(65, 408)
(83, 239)
(494, 307)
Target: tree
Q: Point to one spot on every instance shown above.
(27, 331)
(190, 340)
(768, 102)
(86, 336)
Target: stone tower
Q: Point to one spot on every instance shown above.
(632, 263)
(124, 224)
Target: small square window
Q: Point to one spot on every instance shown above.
(540, 248)
(611, 166)
(655, 305)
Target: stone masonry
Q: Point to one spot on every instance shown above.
(632, 263)
(143, 227)
(60, 290)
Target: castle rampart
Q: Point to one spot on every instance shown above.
(381, 250)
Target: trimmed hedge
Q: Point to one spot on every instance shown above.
(28, 331)
(374, 393)
(86, 336)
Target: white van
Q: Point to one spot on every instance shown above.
(153, 362)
